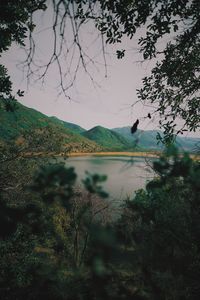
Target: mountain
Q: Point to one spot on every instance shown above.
(146, 139)
(187, 143)
(40, 133)
(43, 133)
(72, 126)
(108, 139)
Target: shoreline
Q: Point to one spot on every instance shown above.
(114, 153)
(135, 154)
(130, 154)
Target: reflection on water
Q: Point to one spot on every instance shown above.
(125, 174)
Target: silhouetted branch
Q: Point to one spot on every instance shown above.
(68, 51)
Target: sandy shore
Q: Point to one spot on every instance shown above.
(135, 154)
(79, 154)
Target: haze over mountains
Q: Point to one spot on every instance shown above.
(48, 132)
(147, 139)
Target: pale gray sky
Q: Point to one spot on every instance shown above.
(108, 104)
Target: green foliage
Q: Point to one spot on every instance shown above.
(16, 21)
(39, 133)
(91, 183)
(44, 231)
(35, 132)
(174, 81)
(5, 84)
(161, 225)
(55, 182)
(56, 244)
(53, 246)
(15, 24)
(6, 98)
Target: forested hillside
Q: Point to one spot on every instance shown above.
(108, 139)
(62, 237)
(47, 134)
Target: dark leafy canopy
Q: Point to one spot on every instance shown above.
(56, 245)
(15, 24)
(161, 226)
(174, 82)
(15, 19)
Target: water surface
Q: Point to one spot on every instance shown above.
(125, 174)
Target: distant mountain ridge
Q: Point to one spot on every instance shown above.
(146, 139)
(77, 139)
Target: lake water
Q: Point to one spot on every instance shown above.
(125, 174)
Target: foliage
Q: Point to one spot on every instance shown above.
(174, 81)
(36, 132)
(5, 89)
(58, 242)
(108, 139)
(15, 20)
(91, 183)
(161, 225)
(15, 24)
(55, 244)
(45, 230)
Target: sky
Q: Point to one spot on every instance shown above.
(110, 102)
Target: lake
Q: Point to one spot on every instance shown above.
(125, 174)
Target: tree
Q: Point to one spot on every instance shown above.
(161, 227)
(15, 24)
(45, 226)
(174, 81)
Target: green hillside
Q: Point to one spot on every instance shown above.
(108, 139)
(27, 123)
(40, 133)
(68, 125)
